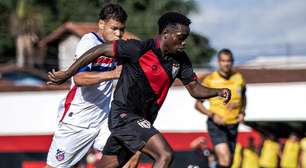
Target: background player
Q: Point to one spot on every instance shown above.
(223, 119)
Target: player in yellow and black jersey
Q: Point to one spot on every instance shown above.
(223, 119)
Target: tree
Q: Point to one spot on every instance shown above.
(7, 46)
(143, 16)
(199, 50)
(25, 24)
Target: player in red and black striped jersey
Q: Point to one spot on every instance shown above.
(149, 69)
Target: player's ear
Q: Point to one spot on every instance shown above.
(101, 24)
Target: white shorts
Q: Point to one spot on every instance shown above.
(71, 143)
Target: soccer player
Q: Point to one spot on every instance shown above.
(83, 123)
(149, 69)
(223, 119)
(303, 152)
(237, 158)
(291, 151)
(250, 155)
(270, 152)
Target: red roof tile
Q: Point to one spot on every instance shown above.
(78, 29)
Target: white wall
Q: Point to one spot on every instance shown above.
(29, 112)
(276, 102)
(36, 112)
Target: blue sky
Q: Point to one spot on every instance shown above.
(244, 25)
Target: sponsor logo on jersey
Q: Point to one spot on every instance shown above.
(155, 69)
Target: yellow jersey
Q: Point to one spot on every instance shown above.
(269, 154)
(236, 84)
(237, 156)
(250, 159)
(303, 148)
(290, 154)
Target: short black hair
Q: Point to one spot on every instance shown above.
(171, 19)
(113, 11)
(226, 52)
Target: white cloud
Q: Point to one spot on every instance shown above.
(251, 22)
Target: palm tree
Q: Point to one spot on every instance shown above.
(25, 24)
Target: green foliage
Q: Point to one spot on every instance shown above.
(144, 14)
(199, 50)
(142, 20)
(143, 17)
(7, 44)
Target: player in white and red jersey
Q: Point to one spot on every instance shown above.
(83, 121)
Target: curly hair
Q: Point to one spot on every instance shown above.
(172, 19)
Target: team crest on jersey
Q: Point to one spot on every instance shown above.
(175, 69)
(144, 123)
(60, 155)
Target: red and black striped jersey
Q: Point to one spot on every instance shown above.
(146, 78)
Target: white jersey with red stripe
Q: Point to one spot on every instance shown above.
(88, 106)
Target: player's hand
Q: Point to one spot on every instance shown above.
(117, 71)
(240, 117)
(226, 94)
(56, 77)
(218, 119)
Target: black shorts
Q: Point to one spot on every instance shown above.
(223, 134)
(128, 137)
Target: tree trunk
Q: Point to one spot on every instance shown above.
(20, 51)
(25, 50)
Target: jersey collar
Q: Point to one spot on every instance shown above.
(219, 74)
(98, 37)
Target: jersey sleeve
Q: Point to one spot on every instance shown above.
(186, 74)
(84, 45)
(129, 50)
(243, 83)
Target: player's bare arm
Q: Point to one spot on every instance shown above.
(198, 91)
(199, 106)
(202, 109)
(92, 78)
(60, 77)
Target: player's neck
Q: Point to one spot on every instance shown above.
(162, 47)
(225, 75)
(99, 33)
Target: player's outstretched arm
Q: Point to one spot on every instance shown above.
(93, 78)
(60, 77)
(198, 91)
